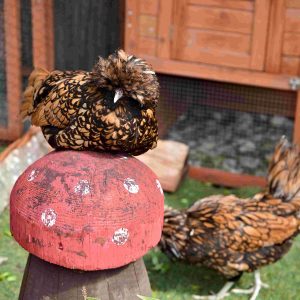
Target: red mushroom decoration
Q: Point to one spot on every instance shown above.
(87, 210)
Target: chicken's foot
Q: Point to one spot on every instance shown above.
(258, 284)
(220, 295)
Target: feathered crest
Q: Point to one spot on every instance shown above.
(134, 75)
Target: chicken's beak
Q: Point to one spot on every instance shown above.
(118, 95)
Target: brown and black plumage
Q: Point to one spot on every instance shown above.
(233, 235)
(110, 108)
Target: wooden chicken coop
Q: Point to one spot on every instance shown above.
(227, 65)
(229, 69)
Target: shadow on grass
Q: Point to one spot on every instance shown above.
(166, 275)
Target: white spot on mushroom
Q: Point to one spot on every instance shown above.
(49, 217)
(120, 236)
(124, 157)
(131, 186)
(33, 174)
(159, 186)
(82, 187)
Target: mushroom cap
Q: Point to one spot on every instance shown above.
(87, 210)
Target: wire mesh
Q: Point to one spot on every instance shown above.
(227, 126)
(3, 100)
(26, 40)
(89, 29)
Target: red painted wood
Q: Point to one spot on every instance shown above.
(87, 210)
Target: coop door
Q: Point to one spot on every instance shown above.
(221, 32)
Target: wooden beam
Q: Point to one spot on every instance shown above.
(164, 28)
(131, 26)
(226, 74)
(42, 34)
(12, 37)
(224, 178)
(296, 137)
(260, 30)
(275, 34)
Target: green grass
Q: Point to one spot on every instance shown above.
(169, 280)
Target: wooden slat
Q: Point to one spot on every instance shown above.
(235, 4)
(131, 26)
(149, 7)
(147, 46)
(147, 26)
(296, 137)
(293, 3)
(259, 36)
(223, 42)
(291, 44)
(275, 35)
(42, 33)
(226, 74)
(216, 48)
(219, 19)
(12, 36)
(168, 168)
(164, 29)
(179, 20)
(292, 22)
(290, 65)
(226, 178)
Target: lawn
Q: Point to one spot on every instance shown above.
(174, 281)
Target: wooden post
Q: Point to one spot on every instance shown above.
(12, 29)
(296, 138)
(43, 280)
(42, 33)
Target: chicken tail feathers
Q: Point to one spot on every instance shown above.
(284, 171)
(35, 81)
(174, 233)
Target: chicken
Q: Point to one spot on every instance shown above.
(233, 235)
(111, 108)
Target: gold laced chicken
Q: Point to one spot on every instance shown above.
(111, 108)
(233, 235)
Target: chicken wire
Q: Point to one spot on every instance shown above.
(26, 40)
(3, 102)
(227, 126)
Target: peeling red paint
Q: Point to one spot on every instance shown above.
(87, 210)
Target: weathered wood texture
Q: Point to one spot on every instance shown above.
(43, 280)
(42, 33)
(85, 29)
(12, 56)
(201, 38)
(87, 210)
(169, 162)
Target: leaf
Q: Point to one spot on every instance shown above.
(7, 233)
(7, 276)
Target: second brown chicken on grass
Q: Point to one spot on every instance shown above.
(111, 108)
(233, 235)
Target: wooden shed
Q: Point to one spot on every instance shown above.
(244, 53)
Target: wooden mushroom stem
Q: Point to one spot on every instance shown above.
(46, 281)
